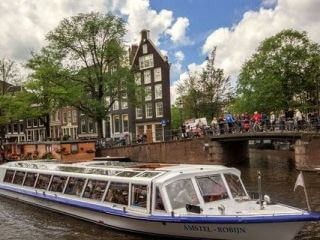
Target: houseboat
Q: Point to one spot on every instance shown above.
(183, 201)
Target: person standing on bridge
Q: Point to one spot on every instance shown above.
(230, 122)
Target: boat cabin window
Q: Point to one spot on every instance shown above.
(235, 185)
(75, 186)
(118, 193)
(58, 183)
(9, 176)
(95, 189)
(18, 178)
(30, 179)
(127, 174)
(182, 192)
(139, 195)
(43, 181)
(149, 174)
(212, 188)
(158, 203)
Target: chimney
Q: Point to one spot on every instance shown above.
(132, 52)
(145, 34)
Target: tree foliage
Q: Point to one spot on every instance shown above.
(84, 65)
(205, 94)
(282, 74)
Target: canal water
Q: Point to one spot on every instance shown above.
(21, 221)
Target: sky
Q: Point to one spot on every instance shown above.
(185, 30)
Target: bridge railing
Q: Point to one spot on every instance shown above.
(211, 131)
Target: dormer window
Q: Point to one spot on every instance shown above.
(144, 48)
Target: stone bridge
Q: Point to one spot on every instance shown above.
(223, 149)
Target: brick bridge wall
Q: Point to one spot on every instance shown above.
(307, 153)
(188, 151)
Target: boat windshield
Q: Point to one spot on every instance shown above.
(181, 192)
(212, 188)
(235, 186)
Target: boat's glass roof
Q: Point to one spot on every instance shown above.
(120, 169)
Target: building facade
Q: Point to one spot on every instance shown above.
(152, 117)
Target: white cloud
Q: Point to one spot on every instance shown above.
(179, 55)
(164, 52)
(24, 24)
(236, 44)
(178, 31)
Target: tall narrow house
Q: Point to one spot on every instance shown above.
(153, 116)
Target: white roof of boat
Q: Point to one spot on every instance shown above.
(122, 169)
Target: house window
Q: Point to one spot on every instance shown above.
(116, 105)
(91, 126)
(147, 77)
(69, 117)
(137, 78)
(158, 91)
(29, 135)
(9, 128)
(41, 121)
(116, 124)
(125, 123)
(21, 128)
(57, 116)
(74, 116)
(65, 117)
(149, 110)
(159, 109)
(148, 93)
(159, 131)
(83, 125)
(35, 122)
(124, 102)
(146, 61)
(157, 75)
(139, 112)
(144, 48)
(29, 123)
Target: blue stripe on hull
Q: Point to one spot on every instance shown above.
(196, 219)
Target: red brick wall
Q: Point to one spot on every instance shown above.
(188, 151)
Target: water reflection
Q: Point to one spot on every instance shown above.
(21, 221)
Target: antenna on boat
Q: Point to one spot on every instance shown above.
(260, 190)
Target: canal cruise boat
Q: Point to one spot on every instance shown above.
(177, 200)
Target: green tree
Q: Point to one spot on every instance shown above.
(205, 94)
(84, 65)
(280, 75)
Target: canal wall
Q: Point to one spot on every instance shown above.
(201, 151)
(307, 153)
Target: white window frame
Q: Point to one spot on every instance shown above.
(158, 89)
(74, 116)
(115, 105)
(114, 123)
(148, 91)
(157, 74)
(124, 101)
(123, 116)
(146, 61)
(146, 108)
(139, 109)
(157, 109)
(147, 77)
(145, 48)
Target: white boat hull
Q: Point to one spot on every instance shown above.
(246, 231)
